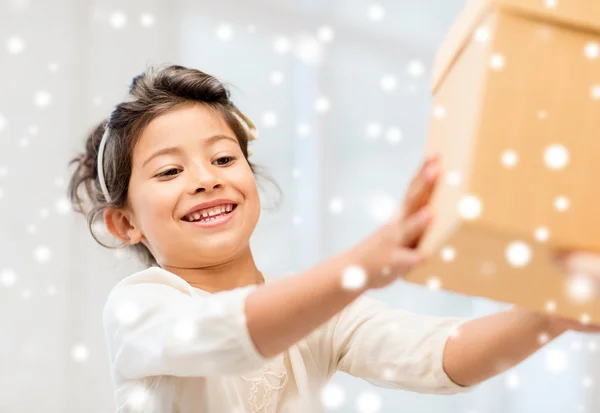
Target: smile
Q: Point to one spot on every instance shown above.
(215, 220)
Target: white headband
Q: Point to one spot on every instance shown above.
(245, 121)
(101, 164)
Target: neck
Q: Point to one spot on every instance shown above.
(239, 271)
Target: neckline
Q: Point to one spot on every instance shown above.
(266, 278)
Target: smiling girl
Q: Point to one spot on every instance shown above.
(202, 329)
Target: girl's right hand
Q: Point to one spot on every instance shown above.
(280, 313)
(390, 252)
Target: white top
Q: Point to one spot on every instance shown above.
(174, 348)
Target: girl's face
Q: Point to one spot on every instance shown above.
(184, 158)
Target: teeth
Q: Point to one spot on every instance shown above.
(209, 213)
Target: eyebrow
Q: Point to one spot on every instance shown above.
(177, 150)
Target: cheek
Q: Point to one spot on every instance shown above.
(249, 187)
(155, 205)
(253, 201)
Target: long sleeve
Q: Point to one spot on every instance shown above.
(393, 348)
(155, 327)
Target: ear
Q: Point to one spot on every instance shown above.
(119, 224)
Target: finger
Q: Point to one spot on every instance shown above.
(582, 328)
(583, 263)
(424, 164)
(414, 227)
(433, 157)
(421, 189)
(404, 260)
(429, 159)
(569, 324)
(420, 177)
(409, 208)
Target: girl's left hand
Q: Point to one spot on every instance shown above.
(577, 262)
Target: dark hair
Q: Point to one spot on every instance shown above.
(151, 94)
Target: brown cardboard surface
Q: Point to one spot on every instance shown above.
(517, 119)
(582, 15)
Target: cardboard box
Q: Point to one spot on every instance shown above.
(516, 116)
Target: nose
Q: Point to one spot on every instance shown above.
(204, 178)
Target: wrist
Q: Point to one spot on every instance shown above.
(369, 260)
(556, 326)
(354, 276)
(544, 323)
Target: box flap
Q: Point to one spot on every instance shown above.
(582, 14)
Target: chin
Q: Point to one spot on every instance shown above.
(216, 246)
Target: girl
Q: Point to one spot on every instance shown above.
(202, 329)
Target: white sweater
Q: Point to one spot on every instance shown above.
(174, 348)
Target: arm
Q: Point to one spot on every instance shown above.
(155, 327)
(309, 299)
(178, 333)
(281, 314)
(389, 347)
(488, 346)
(509, 337)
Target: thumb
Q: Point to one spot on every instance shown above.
(404, 260)
(414, 227)
(580, 262)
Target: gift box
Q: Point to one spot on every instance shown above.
(516, 118)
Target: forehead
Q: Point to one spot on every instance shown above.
(180, 127)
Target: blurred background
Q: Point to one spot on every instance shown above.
(340, 93)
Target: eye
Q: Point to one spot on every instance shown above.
(230, 158)
(168, 172)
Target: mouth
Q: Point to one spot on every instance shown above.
(211, 217)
